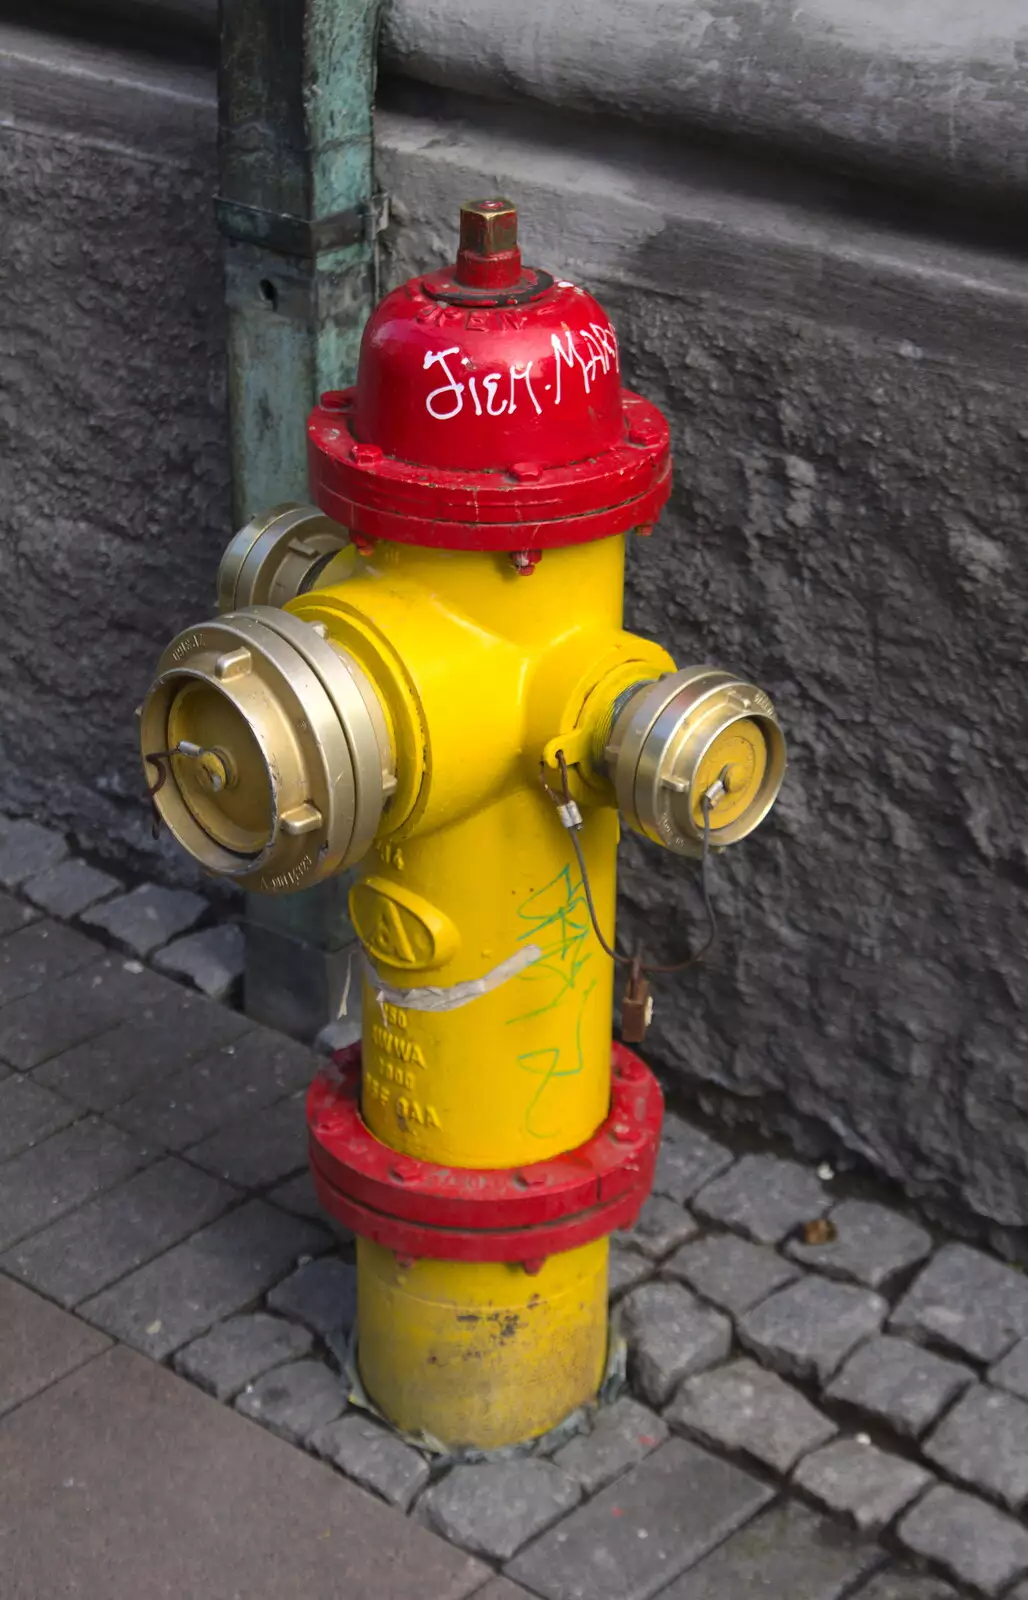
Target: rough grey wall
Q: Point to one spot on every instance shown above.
(848, 524)
(113, 457)
(933, 88)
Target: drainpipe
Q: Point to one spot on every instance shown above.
(300, 219)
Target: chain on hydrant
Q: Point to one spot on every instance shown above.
(382, 686)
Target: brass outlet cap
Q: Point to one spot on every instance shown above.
(280, 762)
(277, 556)
(694, 734)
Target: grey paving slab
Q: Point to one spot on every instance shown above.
(983, 1441)
(627, 1268)
(320, 1294)
(788, 1554)
(14, 915)
(898, 1383)
(898, 1584)
(374, 1458)
(671, 1334)
(241, 1350)
(41, 1184)
(118, 1231)
(77, 1007)
(742, 1408)
(494, 1508)
(38, 1344)
(162, 1037)
(29, 1113)
(212, 959)
(147, 917)
(730, 1272)
(218, 1272)
(621, 1436)
(855, 1479)
(26, 848)
(662, 1225)
(40, 954)
(503, 1589)
(642, 1531)
(807, 1329)
(688, 1158)
(134, 1482)
(1012, 1372)
(69, 888)
(872, 1245)
(296, 1401)
(222, 1088)
(258, 1150)
(967, 1302)
(764, 1198)
(970, 1540)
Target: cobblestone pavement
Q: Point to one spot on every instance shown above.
(825, 1399)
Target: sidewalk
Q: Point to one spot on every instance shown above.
(828, 1401)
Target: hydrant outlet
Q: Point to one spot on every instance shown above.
(278, 556)
(277, 751)
(696, 748)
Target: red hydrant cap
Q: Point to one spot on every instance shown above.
(488, 412)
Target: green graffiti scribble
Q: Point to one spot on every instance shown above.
(557, 918)
(545, 1064)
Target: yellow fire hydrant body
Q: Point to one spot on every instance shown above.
(448, 697)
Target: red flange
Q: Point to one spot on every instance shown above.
(467, 1214)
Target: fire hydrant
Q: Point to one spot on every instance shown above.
(427, 673)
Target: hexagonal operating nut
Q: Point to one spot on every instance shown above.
(488, 227)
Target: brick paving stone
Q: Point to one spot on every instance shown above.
(29, 1113)
(764, 1198)
(374, 1458)
(970, 1540)
(984, 1442)
(38, 1344)
(741, 1407)
(1012, 1372)
(147, 917)
(627, 1268)
(622, 1435)
(41, 1184)
(123, 1481)
(298, 1195)
(76, 1008)
(70, 887)
(897, 1584)
(14, 915)
(808, 1329)
(901, 1384)
(786, 1554)
(642, 1531)
(240, 1351)
(494, 1508)
(118, 1231)
(967, 1302)
(861, 1482)
(295, 1401)
(671, 1335)
(212, 959)
(224, 1087)
(687, 1160)
(26, 849)
(731, 1273)
(161, 1038)
(219, 1271)
(39, 954)
(258, 1150)
(320, 1294)
(872, 1245)
(662, 1225)
(502, 1589)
